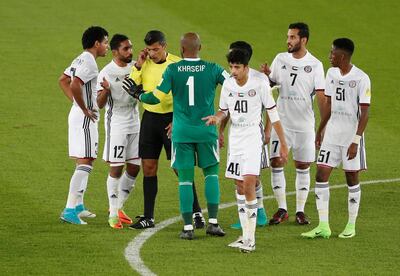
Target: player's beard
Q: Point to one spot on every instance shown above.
(127, 59)
(295, 48)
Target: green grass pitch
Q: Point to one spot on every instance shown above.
(38, 39)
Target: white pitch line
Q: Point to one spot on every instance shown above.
(132, 251)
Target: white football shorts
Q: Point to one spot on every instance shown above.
(302, 145)
(121, 148)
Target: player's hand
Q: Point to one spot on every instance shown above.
(265, 69)
(284, 153)
(141, 59)
(169, 130)
(267, 137)
(92, 114)
(352, 151)
(211, 120)
(132, 89)
(106, 85)
(221, 139)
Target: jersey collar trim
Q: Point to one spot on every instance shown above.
(192, 59)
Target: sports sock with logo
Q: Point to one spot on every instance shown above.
(278, 183)
(77, 185)
(302, 188)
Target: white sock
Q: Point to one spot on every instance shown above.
(240, 199)
(251, 210)
(279, 187)
(84, 184)
(322, 200)
(260, 195)
(354, 202)
(302, 188)
(112, 192)
(126, 185)
(81, 174)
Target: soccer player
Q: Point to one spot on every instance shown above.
(244, 96)
(348, 90)
(156, 123)
(192, 82)
(121, 128)
(78, 83)
(262, 218)
(301, 77)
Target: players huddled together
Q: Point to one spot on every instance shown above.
(177, 95)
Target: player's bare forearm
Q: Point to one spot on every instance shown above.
(321, 101)
(64, 81)
(102, 97)
(77, 93)
(362, 123)
(223, 124)
(326, 114)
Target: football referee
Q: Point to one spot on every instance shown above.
(156, 124)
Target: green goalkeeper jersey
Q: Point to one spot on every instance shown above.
(193, 83)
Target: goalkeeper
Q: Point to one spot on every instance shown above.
(192, 82)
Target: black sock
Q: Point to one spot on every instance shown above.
(150, 188)
(196, 205)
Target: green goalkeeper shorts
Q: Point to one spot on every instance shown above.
(186, 155)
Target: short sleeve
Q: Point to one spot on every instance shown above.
(68, 71)
(266, 95)
(365, 91)
(165, 84)
(86, 71)
(329, 85)
(274, 70)
(319, 80)
(223, 103)
(221, 74)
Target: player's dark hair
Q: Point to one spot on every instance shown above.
(242, 45)
(303, 29)
(116, 41)
(153, 37)
(238, 56)
(91, 35)
(344, 44)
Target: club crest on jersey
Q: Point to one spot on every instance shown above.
(352, 83)
(252, 93)
(308, 69)
(240, 94)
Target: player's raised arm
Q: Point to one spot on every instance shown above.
(102, 94)
(64, 81)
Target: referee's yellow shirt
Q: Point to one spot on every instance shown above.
(150, 76)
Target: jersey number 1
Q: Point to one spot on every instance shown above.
(190, 83)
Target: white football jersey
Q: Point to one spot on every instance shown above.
(121, 110)
(85, 68)
(245, 105)
(347, 93)
(298, 80)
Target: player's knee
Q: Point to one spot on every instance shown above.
(149, 168)
(352, 178)
(301, 165)
(321, 175)
(276, 162)
(132, 170)
(116, 171)
(211, 170)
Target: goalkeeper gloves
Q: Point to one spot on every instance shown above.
(132, 89)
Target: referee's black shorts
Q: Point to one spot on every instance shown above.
(153, 135)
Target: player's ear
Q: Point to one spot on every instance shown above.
(199, 47)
